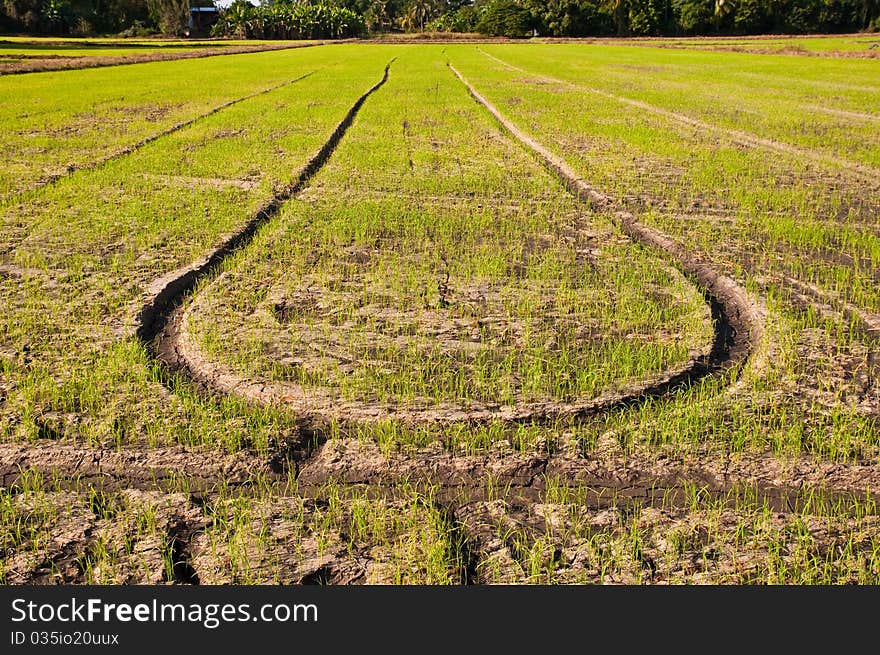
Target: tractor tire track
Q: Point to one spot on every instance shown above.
(76, 466)
(863, 172)
(166, 293)
(127, 150)
(321, 406)
(736, 320)
(739, 324)
(606, 475)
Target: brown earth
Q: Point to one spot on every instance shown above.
(40, 64)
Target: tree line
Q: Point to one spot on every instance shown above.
(516, 18)
(512, 18)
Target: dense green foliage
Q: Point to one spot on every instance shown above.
(516, 18)
(513, 18)
(286, 20)
(72, 16)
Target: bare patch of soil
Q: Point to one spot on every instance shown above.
(39, 64)
(150, 468)
(203, 182)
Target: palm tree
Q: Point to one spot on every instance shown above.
(619, 10)
(722, 9)
(376, 15)
(417, 14)
(238, 16)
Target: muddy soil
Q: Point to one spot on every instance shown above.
(39, 64)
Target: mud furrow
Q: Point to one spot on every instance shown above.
(604, 477)
(166, 292)
(127, 150)
(79, 466)
(863, 172)
(739, 320)
(44, 65)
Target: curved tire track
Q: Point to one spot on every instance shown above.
(740, 320)
(168, 291)
(321, 406)
(737, 326)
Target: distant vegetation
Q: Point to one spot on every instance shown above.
(518, 18)
(512, 18)
(284, 20)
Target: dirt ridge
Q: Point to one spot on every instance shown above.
(605, 473)
(142, 468)
(56, 63)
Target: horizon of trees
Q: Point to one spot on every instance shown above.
(511, 18)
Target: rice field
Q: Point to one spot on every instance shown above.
(442, 313)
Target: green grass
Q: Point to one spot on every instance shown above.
(56, 120)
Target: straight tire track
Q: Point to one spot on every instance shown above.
(127, 150)
(863, 172)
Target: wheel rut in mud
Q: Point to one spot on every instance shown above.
(738, 319)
